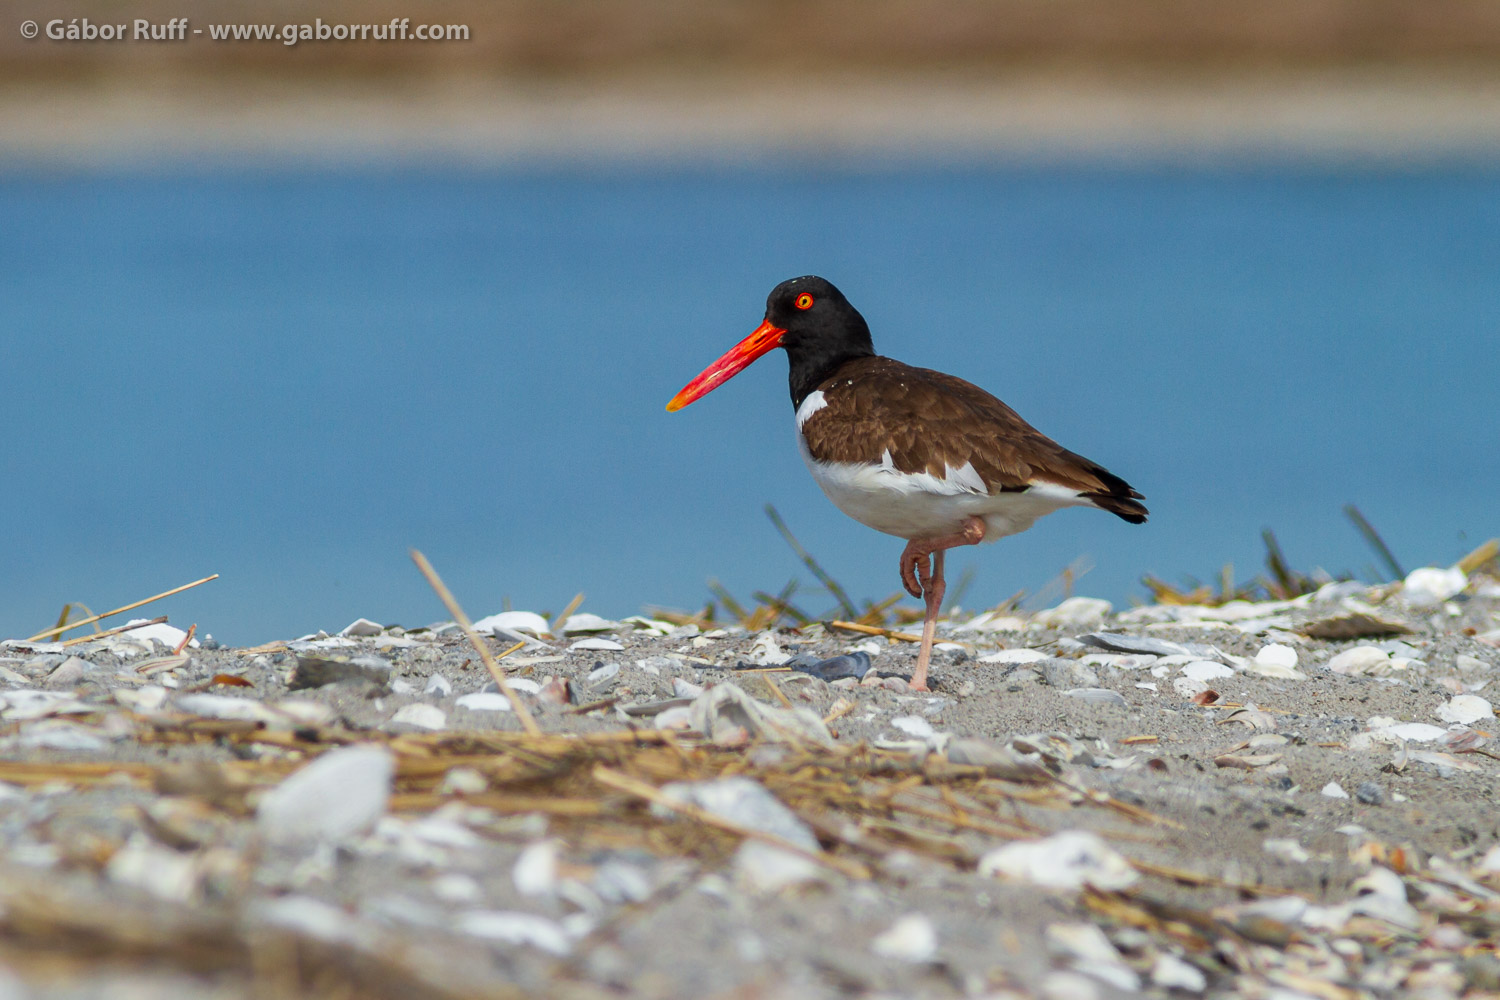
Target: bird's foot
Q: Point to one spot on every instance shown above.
(915, 571)
(915, 685)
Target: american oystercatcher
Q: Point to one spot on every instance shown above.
(909, 451)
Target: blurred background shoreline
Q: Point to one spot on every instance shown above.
(731, 79)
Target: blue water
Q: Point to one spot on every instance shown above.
(290, 379)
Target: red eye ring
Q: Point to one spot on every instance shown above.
(803, 301)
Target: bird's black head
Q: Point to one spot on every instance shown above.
(822, 330)
(812, 320)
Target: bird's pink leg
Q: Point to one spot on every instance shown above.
(920, 581)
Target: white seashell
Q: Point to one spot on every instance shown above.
(312, 713)
(1067, 860)
(456, 888)
(219, 706)
(1413, 732)
(912, 938)
(514, 621)
(1465, 709)
(161, 871)
(1286, 849)
(1093, 954)
(594, 642)
(523, 684)
(163, 633)
(1206, 670)
(992, 622)
(685, 689)
(59, 734)
(914, 725)
(484, 701)
(767, 651)
(439, 685)
(428, 717)
(1429, 586)
(1172, 973)
(680, 717)
(1075, 611)
(143, 699)
(1362, 661)
(1014, 655)
(762, 868)
(1277, 654)
(589, 623)
(362, 627)
(339, 794)
(535, 871)
(1334, 791)
(516, 928)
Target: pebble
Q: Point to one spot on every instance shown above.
(316, 671)
(1370, 793)
(855, 664)
(1098, 696)
(341, 793)
(69, 672)
(1068, 674)
(602, 673)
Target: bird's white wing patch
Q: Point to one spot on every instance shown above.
(814, 402)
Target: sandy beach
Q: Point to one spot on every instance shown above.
(1172, 800)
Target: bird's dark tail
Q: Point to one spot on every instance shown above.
(1118, 497)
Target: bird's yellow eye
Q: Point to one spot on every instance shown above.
(804, 301)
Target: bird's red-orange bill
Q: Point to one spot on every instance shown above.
(739, 357)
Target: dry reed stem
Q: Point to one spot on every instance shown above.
(785, 701)
(112, 631)
(446, 596)
(1486, 552)
(875, 630)
(565, 614)
(58, 630)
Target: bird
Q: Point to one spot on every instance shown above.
(910, 452)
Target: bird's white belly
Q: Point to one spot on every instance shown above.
(921, 505)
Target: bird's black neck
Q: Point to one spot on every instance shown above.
(813, 363)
